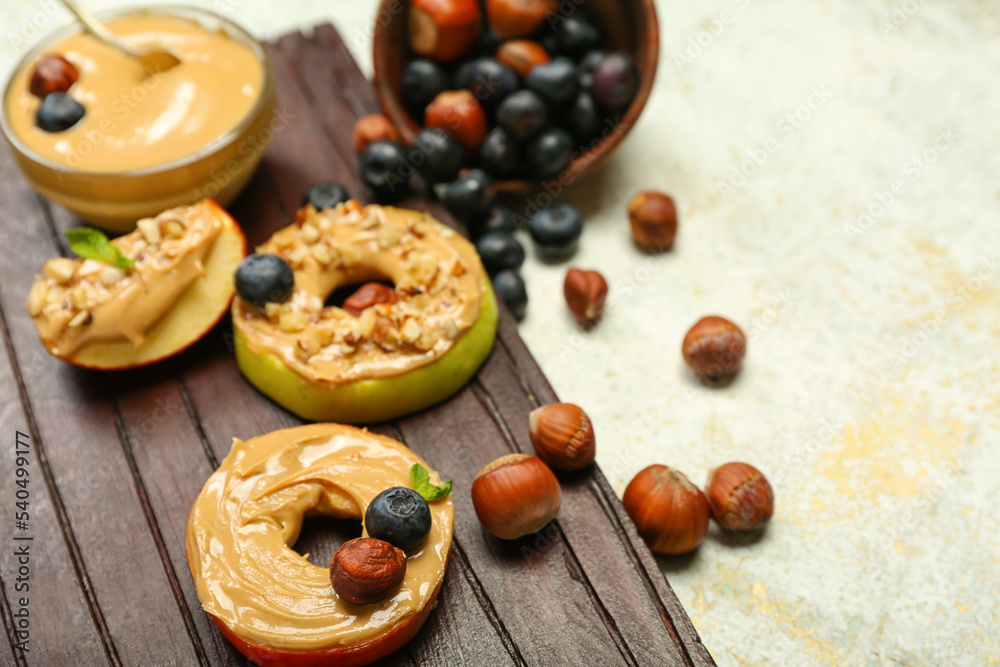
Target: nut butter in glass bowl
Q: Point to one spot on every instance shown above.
(147, 143)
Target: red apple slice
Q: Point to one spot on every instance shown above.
(195, 312)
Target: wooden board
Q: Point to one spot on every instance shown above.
(117, 458)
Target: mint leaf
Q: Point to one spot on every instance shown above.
(420, 480)
(91, 243)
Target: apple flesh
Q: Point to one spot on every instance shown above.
(198, 309)
(368, 401)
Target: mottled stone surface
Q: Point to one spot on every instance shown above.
(836, 168)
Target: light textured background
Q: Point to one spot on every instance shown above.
(877, 424)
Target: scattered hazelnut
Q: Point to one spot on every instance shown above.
(370, 129)
(585, 293)
(563, 436)
(367, 296)
(670, 513)
(52, 74)
(522, 55)
(516, 495)
(443, 29)
(459, 113)
(653, 217)
(365, 570)
(739, 496)
(714, 347)
(516, 18)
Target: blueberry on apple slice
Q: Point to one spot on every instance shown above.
(399, 516)
(326, 194)
(263, 279)
(59, 112)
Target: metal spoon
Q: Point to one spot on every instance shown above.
(155, 61)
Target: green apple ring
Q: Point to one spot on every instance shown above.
(387, 381)
(367, 401)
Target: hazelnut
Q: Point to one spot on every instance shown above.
(653, 217)
(459, 113)
(52, 74)
(365, 570)
(516, 495)
(372, 128)
(714, 347)
(739, 496)
(522, 55)
(367, 296)
(563, 436)
(443, 29)
(585, 293)
(516, 18)
(670, 513)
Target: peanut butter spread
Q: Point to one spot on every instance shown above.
(76, 302)
(251, 510)
(134, 120)
(438, 279)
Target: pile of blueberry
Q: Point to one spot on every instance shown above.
(519, 102)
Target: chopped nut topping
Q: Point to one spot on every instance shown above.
(60, 269)
(309, 234)
(110, 275)
(292, 321)
(349, 255)
(174, 229)
(449, 329)
(149, 230)
(411, 330)
(299, 254)
(81, 318)
(323, 253)
(36, 298)
(367, 322)
(388, 236)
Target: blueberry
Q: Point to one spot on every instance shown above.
(487, 43)
(509, 286)
(555, 81)
(549, 154)
(556, 230)
(616, 80)
(461, 78)
(384, 169)
(500, 251)
(263, 279)
(420, 83)
(499, 219)
(326, 194)
(522, 115)
(440, 156)
(583, 118)
(550, 42)
(499, 154)
(492, 82)
(587, 66)
(399, 516)
(575, 36)
(59, 112)
(470, 197)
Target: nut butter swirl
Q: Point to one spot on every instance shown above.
(250, 511)
(439, 283)
(76, 302)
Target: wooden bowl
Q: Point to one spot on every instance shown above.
(629, 26)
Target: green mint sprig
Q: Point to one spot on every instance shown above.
(420, 480)
(90, 243)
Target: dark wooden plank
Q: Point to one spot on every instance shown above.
(77, 428)
(62, 628)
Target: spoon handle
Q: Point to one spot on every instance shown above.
(95, 27)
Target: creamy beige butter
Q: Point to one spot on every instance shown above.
(250, 511)
(134, 120)
(78, 302)
(439, 283)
